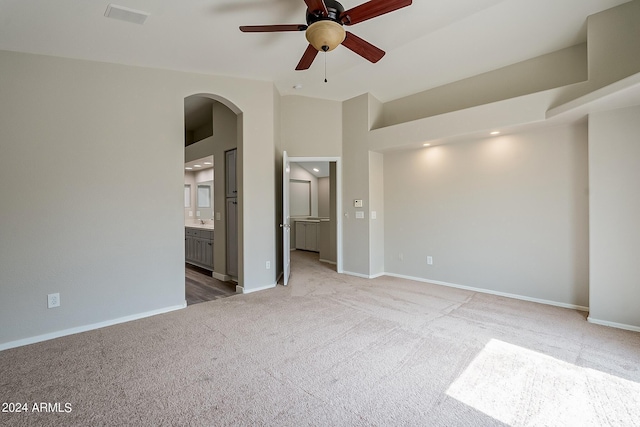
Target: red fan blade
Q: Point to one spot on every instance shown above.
(362, 48)
(272, 28)
(307, 58)
(371, 9)
(317, 6)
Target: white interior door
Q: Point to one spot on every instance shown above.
(286, 224)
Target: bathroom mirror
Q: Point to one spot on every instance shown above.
(204, 200)
(198, 190)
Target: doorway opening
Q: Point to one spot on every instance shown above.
(314, 191)
(212, 131)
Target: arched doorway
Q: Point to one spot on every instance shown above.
(213, 134)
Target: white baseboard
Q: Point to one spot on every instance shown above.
(364, 276)
(491, 292)
(351, 273)
(85, 328)
(613, 324)
(222, 277)
(327, 261)
(242, 290)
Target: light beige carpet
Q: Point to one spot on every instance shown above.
(335, 350)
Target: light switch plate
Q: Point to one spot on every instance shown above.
(357, 203)
(359, 214)
(373, 215)
(217, 216)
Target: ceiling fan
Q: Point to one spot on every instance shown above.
(324, 28)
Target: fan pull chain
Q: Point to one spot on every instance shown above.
(325, 66)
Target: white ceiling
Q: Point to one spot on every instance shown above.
(199, 164)
(429, 43)
(322, 168)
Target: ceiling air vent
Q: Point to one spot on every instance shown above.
(125, 14)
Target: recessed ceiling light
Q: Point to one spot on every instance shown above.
(495, 132)
(297, 86)
(197, 166)
(208, 163)
(316, 170)
(426, 145)
(188, 169)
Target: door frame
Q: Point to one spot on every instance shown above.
(338, 161)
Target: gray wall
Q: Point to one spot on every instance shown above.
(614, 175)
(323, 197)
(376, 224)
(311, 127)
(111, 243)
(355, 151)
(507, 214)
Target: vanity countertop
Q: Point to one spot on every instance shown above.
(208, 226)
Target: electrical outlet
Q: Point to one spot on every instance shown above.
(53, 300)
(217, 216)
(430, 260)
(268, 265)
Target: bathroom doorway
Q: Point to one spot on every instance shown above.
(314, 203)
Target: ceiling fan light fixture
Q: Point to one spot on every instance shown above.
(325, 35)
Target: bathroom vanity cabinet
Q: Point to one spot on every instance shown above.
(198, 244)
(307, 235)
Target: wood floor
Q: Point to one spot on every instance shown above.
(201, 287)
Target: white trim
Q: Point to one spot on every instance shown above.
(351, 273)
(613, 324)
(364, 276)
(90, 327)
(219, 276)
(490, 292)
(250, 291)
(327, 261)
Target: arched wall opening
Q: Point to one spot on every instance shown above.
(213, 130)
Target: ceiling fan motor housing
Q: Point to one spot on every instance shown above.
(325, 33)
(334, 8)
